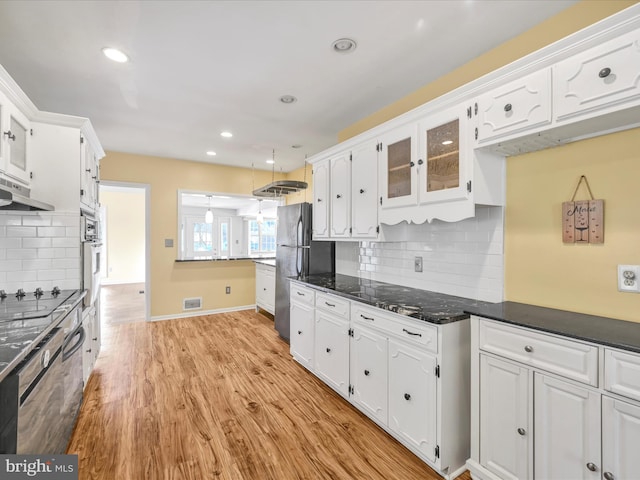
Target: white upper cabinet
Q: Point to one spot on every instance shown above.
(345, 189)
(598, 80)
(514, 108)
(340, 191)
(398, 167)
(321, 200)
(15, 144)
(89, 176)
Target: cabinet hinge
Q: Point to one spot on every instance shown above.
(81, 192)
(81, 139)
(468, 112)
(31, 132)
(469, 186)
(350, 230)
(475, 108)
(476, 134)
(351, 157)
(350, 389)
(378, 229)
(380, 200)
(350, 332)
(437, 371)
(437, 449)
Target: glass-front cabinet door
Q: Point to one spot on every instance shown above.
(398, 167)
(443, 159)
(15, 132)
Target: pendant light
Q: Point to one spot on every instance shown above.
(208, 217)
(260, 217)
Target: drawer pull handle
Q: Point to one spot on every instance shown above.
(592, 466)
(411, 333)
(299, 332)
(366, 372)
(300, 293)
(608, 476)
(10, 136)
(521, 431)
(328, 350)
(367, 318)
(507, 107)
(528, 348)
(604, 73)
(407, 396)
(329, 304)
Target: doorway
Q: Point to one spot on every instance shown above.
(124, 219)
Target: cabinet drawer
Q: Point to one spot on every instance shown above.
(413, 331)
(568, 358)
(331, 303)
(302, 294)
(622, 373)
(600, 77)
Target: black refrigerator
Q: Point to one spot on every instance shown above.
(296, 256)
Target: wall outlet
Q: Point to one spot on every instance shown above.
(628, 280)
(227, 290)
(417, 264)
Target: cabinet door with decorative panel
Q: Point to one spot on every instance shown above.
(302, 333)
(620, 439)
(340, 192)
(321, 200)
(16, 137)
(398, 164)
(332, 351)
(364, 190)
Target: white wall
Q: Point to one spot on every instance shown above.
(462, 258)
(39, 249)
(125, 234)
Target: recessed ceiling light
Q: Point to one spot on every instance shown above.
(270, 162)
(226, 134)
(288, 99)
(344, 45)
(115, 55)
(211, 153)
(447, 142)
(296, 146)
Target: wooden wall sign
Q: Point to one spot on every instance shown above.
(583, 220)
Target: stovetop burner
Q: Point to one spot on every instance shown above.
(24, 306)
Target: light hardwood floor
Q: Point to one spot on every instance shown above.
(220, 397)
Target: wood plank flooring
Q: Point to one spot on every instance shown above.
(219, 397)
(124, 303)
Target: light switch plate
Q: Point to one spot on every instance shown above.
(418, 264)
(168, 242)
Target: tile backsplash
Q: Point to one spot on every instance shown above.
(39, 249)
(463, 258)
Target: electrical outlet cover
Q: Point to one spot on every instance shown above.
(628, 278)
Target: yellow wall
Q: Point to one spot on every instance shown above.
(172, 281)
(539, 268)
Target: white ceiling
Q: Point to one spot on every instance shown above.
(200, 67)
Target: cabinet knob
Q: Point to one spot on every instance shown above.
(338, 196)
(420, 162)
(10, 135)
(299, 332)
(507, 107)
(407, 396)
(366, 372)
(88, 170)
(319, 200)
(411, 164)
(361, 190)
(604, 73)
(521, 431)
(608, 476)
(95, 339)
(265, 289)
(89, 351)
(528, 348)
(328, 350)
(592, 466)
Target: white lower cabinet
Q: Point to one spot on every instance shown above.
(369, 373)
(388, 366)
(412, 390)
(266, 287)
(536, 421)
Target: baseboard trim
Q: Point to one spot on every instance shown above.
(200, 313)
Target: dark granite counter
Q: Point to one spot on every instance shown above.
(423, 305)
(223, 259)
(19, 337)
(602, 330)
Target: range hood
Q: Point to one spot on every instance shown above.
(280, 188)
(16, 197)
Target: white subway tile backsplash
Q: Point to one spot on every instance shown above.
(39, 249)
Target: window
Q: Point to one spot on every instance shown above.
(262, 236)
(202, 237)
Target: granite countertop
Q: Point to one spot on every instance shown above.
(423, 305)
(224, 259)
(266, 261)
(19, 337)
(601, 330)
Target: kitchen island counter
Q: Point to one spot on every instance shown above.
(432, 307)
